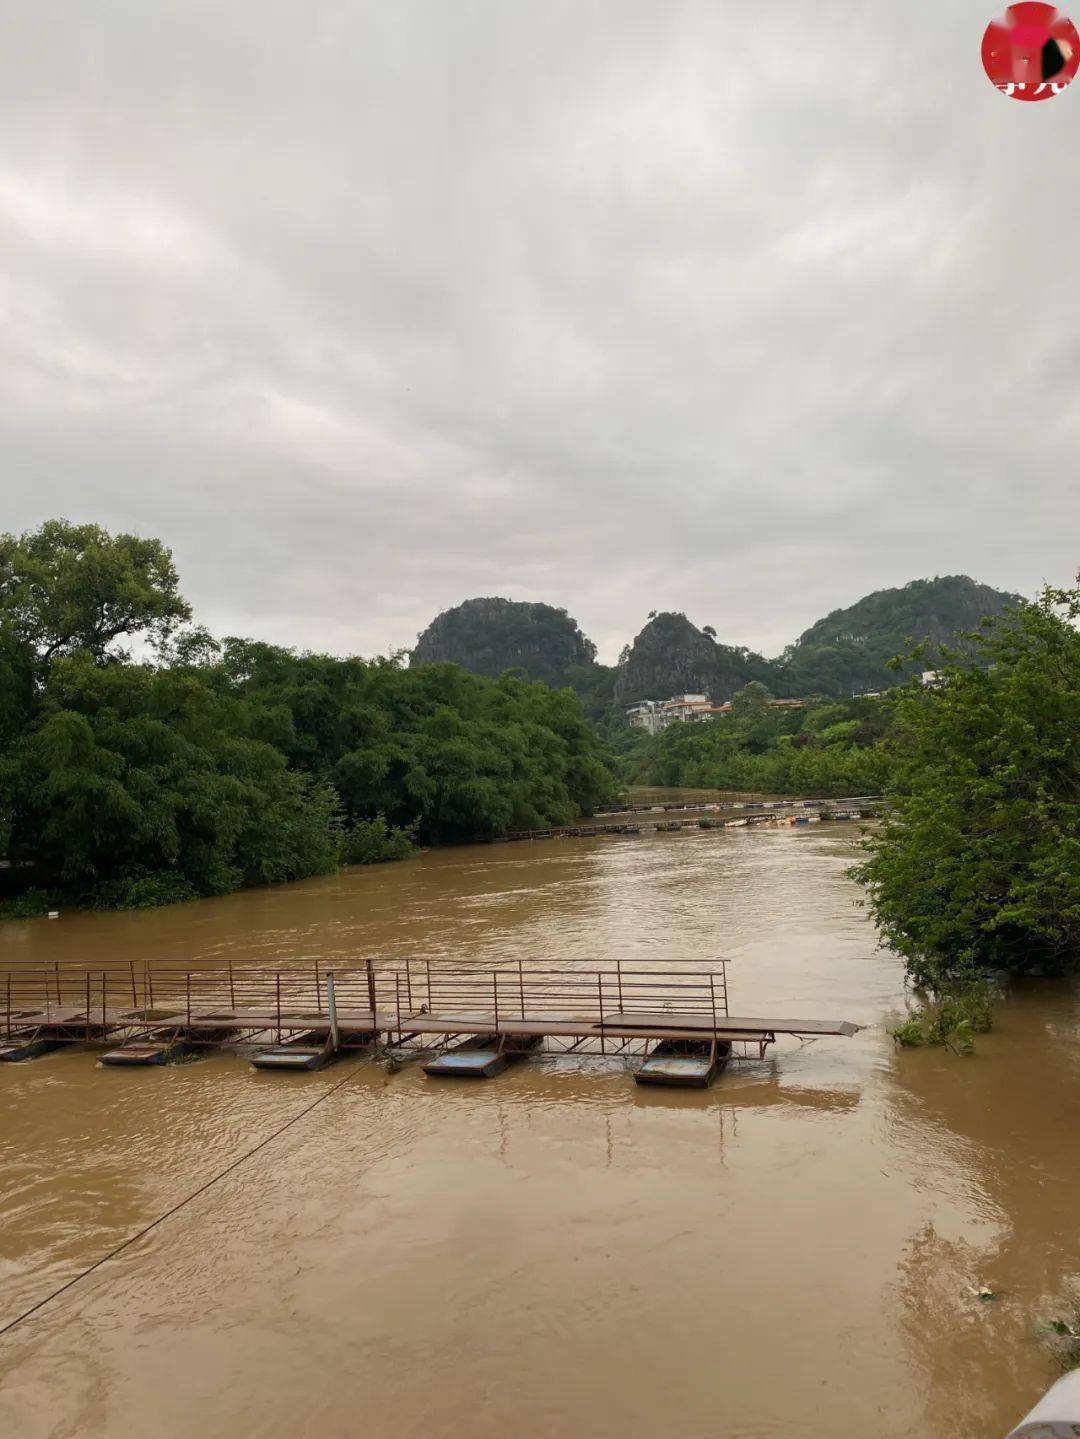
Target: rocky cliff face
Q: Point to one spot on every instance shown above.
(489, 636)
(672, 656)
(851, 648)
(847, 650)
(934, 609)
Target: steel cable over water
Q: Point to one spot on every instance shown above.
(141, 1233)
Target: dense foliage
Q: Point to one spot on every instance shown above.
(828, 748)
(490, 635)
(207, 766)
(852, 649)
(436, 748)
(979, 865)
(65, 588)
(957, 1013)
(846, 652)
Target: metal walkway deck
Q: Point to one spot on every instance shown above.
(151, 1013)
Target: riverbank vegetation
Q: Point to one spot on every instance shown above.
(203, 766)
(831, 747)
(975, 869)
(977, 866)
(952, 1017)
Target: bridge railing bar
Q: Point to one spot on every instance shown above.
(282, 995)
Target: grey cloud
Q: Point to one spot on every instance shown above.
(367, 308)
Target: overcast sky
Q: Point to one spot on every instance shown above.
(366, 308)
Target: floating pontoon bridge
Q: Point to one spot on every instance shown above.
(461, 1020)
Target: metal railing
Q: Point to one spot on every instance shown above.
(385, 996)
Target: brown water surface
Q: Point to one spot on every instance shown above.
(556, 1251)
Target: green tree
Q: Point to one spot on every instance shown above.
(752, 699)
(434, 748)
(826, 749)
(979, 864)
(66, 587)
(134, 772)
(236, 763)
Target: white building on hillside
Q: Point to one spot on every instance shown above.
(687, 708)
(655, 715)
(647, 716)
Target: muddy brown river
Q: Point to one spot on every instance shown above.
(557, 1251)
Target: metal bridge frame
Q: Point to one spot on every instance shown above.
(611, 1010)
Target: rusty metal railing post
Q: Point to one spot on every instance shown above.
(521, 986)
(278, 989)
(150, 984)
(232, 987)
(397, 1000)
(712, 997)
(495, 988)
(408, 985)
(427, 964)
(618, 971)
(59, 1001)
(318, 992)
(88, 1005)
(134, 989)
(600, 993)
(371, 991)
(103, 999)
(187, 989)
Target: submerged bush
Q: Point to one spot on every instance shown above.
(952, 1018)
(146, 891)
(1063, 1335)
(370, 841)
(29, 905)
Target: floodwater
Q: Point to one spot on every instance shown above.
(791, 1253)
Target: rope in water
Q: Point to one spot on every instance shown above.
(133, 1238)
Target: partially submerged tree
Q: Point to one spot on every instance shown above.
(222, 764)
(978, 865)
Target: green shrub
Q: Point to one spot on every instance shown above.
(371, 841)
(953, 1018)
(911, 1034)
(28, 905)
(145, 891)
